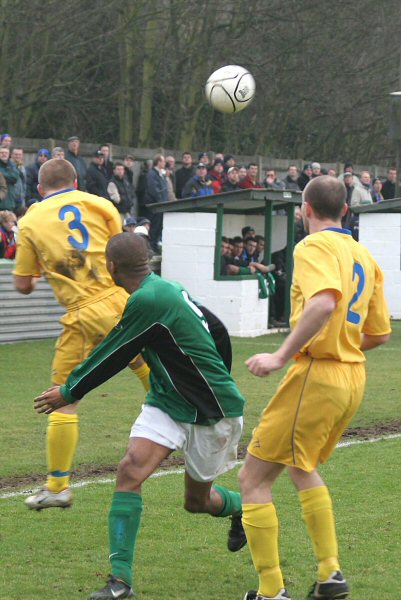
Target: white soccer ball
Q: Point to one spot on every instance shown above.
(230, 89)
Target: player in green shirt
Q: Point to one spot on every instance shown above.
(193, 403)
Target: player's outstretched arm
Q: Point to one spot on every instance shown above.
(49, 401)
(317, 311)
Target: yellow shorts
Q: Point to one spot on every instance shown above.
(312, 407)
(83, 329)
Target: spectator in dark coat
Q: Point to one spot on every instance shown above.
(388, 190)
(96, 176)
(231, 184)
(156, 191)
(32, 171)
(305, 176)
(79, 164)
(183, 174)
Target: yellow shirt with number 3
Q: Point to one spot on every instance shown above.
(64, 238)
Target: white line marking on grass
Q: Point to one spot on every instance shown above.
(86, 482)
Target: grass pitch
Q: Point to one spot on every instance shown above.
(63, 554)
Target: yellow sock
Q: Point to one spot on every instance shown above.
(143, 374)
(261, 528)
(317, 511)
(62, 439)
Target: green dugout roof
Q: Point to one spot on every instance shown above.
(244, 202)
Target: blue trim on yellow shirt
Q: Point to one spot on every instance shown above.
(338, 230)
(59, 192)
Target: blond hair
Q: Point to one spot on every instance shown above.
(56, 174)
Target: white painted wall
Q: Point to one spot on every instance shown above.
(381, 234)
(188, 257)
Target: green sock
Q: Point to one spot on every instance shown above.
(124, 521)
(232, 504)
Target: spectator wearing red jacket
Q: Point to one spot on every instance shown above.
(251, 180)
(217, 175)
(8, 222)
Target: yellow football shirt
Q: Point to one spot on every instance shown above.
(64, 238)
(332, 260)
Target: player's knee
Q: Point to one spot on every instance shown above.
(128, 473)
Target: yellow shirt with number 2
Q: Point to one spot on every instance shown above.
(332, 260)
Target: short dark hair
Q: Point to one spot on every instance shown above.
(118, 163)
(327, 196)
(238, 239)
(251, 164)
(259, 238)
(246, 230)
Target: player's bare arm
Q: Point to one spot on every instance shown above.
(49, 400)
(372, 341)
(25, 284)
(317, 311)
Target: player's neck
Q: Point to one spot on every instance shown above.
(131, 284)
(316, 225)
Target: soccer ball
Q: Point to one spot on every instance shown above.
(230, 89)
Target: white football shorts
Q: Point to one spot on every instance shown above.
(209, 450)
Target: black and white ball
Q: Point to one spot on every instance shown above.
(230, 89)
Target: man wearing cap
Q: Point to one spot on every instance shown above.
(32, 194)
(305, 176)
(316, 169)
(130, 224)
(77, 161)
(229, 161)
(183, 174)
(217, 175)
(349, 168)
(199, 184)
(96, 176)
(231, 184)
(203, 158)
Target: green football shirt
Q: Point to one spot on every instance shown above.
(188, 379)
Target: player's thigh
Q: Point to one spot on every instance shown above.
(211, 450)
(312, 400)
(272, 439)
(83, 330)
(357, 379)
(70, 349)
(331, 397)
(99, 318)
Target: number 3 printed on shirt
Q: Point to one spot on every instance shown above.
(352, 316)
(75, 224)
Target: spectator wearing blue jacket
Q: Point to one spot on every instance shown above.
(199, 185)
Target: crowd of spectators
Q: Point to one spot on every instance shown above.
(132, 188)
